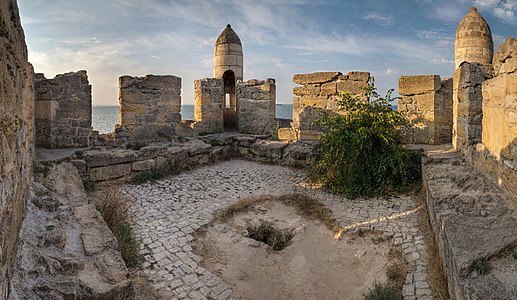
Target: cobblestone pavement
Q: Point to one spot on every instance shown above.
(169, 211)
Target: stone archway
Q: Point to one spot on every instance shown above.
(230, 101)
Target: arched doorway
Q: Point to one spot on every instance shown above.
(230, 100)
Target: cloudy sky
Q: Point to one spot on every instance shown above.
(389, 38)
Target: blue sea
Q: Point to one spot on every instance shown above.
(104, 118)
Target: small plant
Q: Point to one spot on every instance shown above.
(79, 154)
(37, 202)
(361, 151)
(267, 233)
(482, 266)
(127, 244)
(381, 291)
(41, 167)
(514, 254)
(88, 185)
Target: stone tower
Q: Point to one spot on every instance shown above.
(228, 65)
(473, 40)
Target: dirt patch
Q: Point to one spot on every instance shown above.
(313, 265)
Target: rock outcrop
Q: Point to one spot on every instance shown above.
(66, 250)
(16, 135)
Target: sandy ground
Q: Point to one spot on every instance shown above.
(314, 266)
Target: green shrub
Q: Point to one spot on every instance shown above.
(88, 185)
(482, 266)
(360, 152)
(381, 291)
(41, 167)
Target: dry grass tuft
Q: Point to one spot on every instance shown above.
(304, 205)
(114, 208)
(396, 270)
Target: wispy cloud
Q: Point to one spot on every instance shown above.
(378, 19)
(503, 10)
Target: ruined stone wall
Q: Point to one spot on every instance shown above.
(63, 110)
(208, 106)
(149, 107)
(319, 93)
(16, 135)
(426, 101)
(256, 105)
(467, 104)
(497, 155)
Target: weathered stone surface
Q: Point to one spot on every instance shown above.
(195, 147)
(505, 59)
(149, 107)
(270, 149)
(358, 76)
(287, 134)
(99, 158)
(473, 40)
(69, 244)
(16, 135)
(256, 107)
(110, 172)
(63, 110)
(151, 151)
(318, 77)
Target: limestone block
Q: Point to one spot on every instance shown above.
(318, 77)
(143, 165)
(313, 89)
(196, 147)
(354, 87)
(287, 134)
(359, 76)
(328, 89)
(98, 158)
(504, 59)
(421, 84)
(309, 135)
(110, 172)
(151, 151)
(244, 141)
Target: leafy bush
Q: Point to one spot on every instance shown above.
(482, 266)
(360, 152)
(88, 185)
(381, 291)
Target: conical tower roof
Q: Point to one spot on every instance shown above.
(228, 36)
(473, 40)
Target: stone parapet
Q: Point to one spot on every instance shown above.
(149, 107)
(256, 104)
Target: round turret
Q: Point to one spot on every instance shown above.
(228, 54)
(473, 40)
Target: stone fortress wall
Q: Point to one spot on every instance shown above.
(16, 136)
(63, 110)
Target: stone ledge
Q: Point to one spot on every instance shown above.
(472, 220)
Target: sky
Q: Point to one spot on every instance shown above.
(111, 38)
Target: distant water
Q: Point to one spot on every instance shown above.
(104, 118)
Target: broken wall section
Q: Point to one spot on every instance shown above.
(63, 110)
(256, 105)
(426, 101)
(497, 155)
(16, 136)
(317, 94)
(467, 104)
(149, 108)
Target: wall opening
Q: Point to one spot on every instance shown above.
(230, 109)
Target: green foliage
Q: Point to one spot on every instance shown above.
(381, 291)
(79, 154)
(482, 266)
(360, 152)
(41, 167)
(88, 185)
(127, 244)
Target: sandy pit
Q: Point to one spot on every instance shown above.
(313, 266)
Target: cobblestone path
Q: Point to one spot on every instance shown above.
(169, 211)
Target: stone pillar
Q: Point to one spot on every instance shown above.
(319, 93)
(150, 107)
(426, 101)
(228, 54)
(63, 110)
(208, 106)
(256, 105)
(16, 136)
(467, 104)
